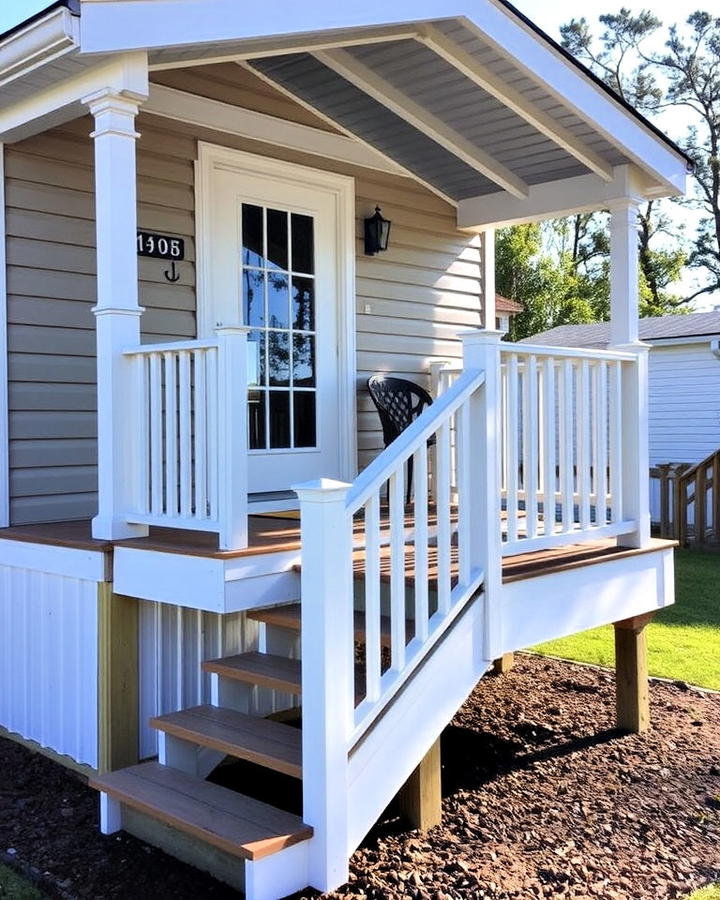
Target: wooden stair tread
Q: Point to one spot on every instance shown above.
(271, 744)
(289, 616)
(264, 669)
(233, 822)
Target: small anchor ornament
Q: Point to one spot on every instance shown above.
(173, 274)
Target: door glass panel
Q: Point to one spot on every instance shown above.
(253, 288)
(278, 300)
(279, 304)
(279, 419)
(252, 230)
(303, 251)
(277, 239)
(304, 418)
(303, 293)
(303, 360)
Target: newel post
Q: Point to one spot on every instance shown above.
(232, 449)
(624, 306)
(327, 675)
(481, 350)
(117, 311)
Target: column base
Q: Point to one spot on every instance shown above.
(107, 528)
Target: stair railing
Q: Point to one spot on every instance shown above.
(696, 505)
(411, 590)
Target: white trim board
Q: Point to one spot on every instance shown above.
(212, 156)
(192, 109)
(4, 412)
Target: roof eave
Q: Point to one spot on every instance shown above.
(38, 41)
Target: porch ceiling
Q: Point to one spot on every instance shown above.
(474, 106)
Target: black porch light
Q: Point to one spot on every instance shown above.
(377, 233)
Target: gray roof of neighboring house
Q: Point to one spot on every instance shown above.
(658, 328)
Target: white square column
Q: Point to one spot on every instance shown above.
(624, 313)
(117, 311)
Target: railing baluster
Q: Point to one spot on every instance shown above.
(513, 462)
(549, 436)
(171, 443)
(143, 446)
(212, 427)
(530, 440)
(583, 442)
(185, 446)
(567, 446)
(200, 435)
(156, 441)
(420, 552)
(601, 454)
(443, 515)
(372, 598)
(616, 492)
(397, 570)
(463, 459)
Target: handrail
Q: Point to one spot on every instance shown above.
(386, 463)
(697, 475)
(172, 347)
(566, 352)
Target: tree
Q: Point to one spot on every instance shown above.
(618, 58)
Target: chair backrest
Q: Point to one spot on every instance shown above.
(398, 402)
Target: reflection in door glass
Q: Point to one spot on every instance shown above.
(278, 292)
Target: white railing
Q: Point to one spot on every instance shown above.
(562, 464)
(191, 435)
(395, 576)
(562, 450)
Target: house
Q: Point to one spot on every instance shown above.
(683, 384)
(189, 312)
(505, 309)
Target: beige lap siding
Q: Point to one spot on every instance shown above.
(51, 291)
(411, 301)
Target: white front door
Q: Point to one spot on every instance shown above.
(273, 265)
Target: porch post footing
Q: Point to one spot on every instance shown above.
(631, 674)
(503, 664)
(420, 798)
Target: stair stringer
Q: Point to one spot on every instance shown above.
(386, 755)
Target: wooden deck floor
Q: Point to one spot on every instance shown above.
(271, 533)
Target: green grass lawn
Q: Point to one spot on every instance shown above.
(13, 887)
(683, 640)
(707, 893)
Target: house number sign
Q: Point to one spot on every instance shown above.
(160, 246)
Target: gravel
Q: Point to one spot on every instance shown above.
(542, 798)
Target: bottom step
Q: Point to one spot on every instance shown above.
(237, 824)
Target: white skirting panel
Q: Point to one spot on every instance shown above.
(174, 640)
(49, 660)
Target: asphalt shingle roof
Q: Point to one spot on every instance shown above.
(598, 333)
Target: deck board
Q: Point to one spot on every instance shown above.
(276, 534)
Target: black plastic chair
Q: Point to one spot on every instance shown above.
(398, 402)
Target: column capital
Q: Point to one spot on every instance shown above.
(629, 203)
(114, 111)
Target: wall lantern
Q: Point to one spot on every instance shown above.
(377, 233)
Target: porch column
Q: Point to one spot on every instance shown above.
(488, 279)
(624, 311)
(117, 311)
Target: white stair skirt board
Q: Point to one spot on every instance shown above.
(278, 875)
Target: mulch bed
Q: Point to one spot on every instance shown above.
(542, 798)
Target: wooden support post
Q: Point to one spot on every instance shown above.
(503, 664)
(631, 674)
(118, 664)
(420, 798)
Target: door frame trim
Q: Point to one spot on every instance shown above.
(213, 157)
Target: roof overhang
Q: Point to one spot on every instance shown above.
(469, 98)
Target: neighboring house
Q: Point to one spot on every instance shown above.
(683, 378)
(193, 291)
(505, 309)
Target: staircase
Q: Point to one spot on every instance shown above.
(393, 630)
